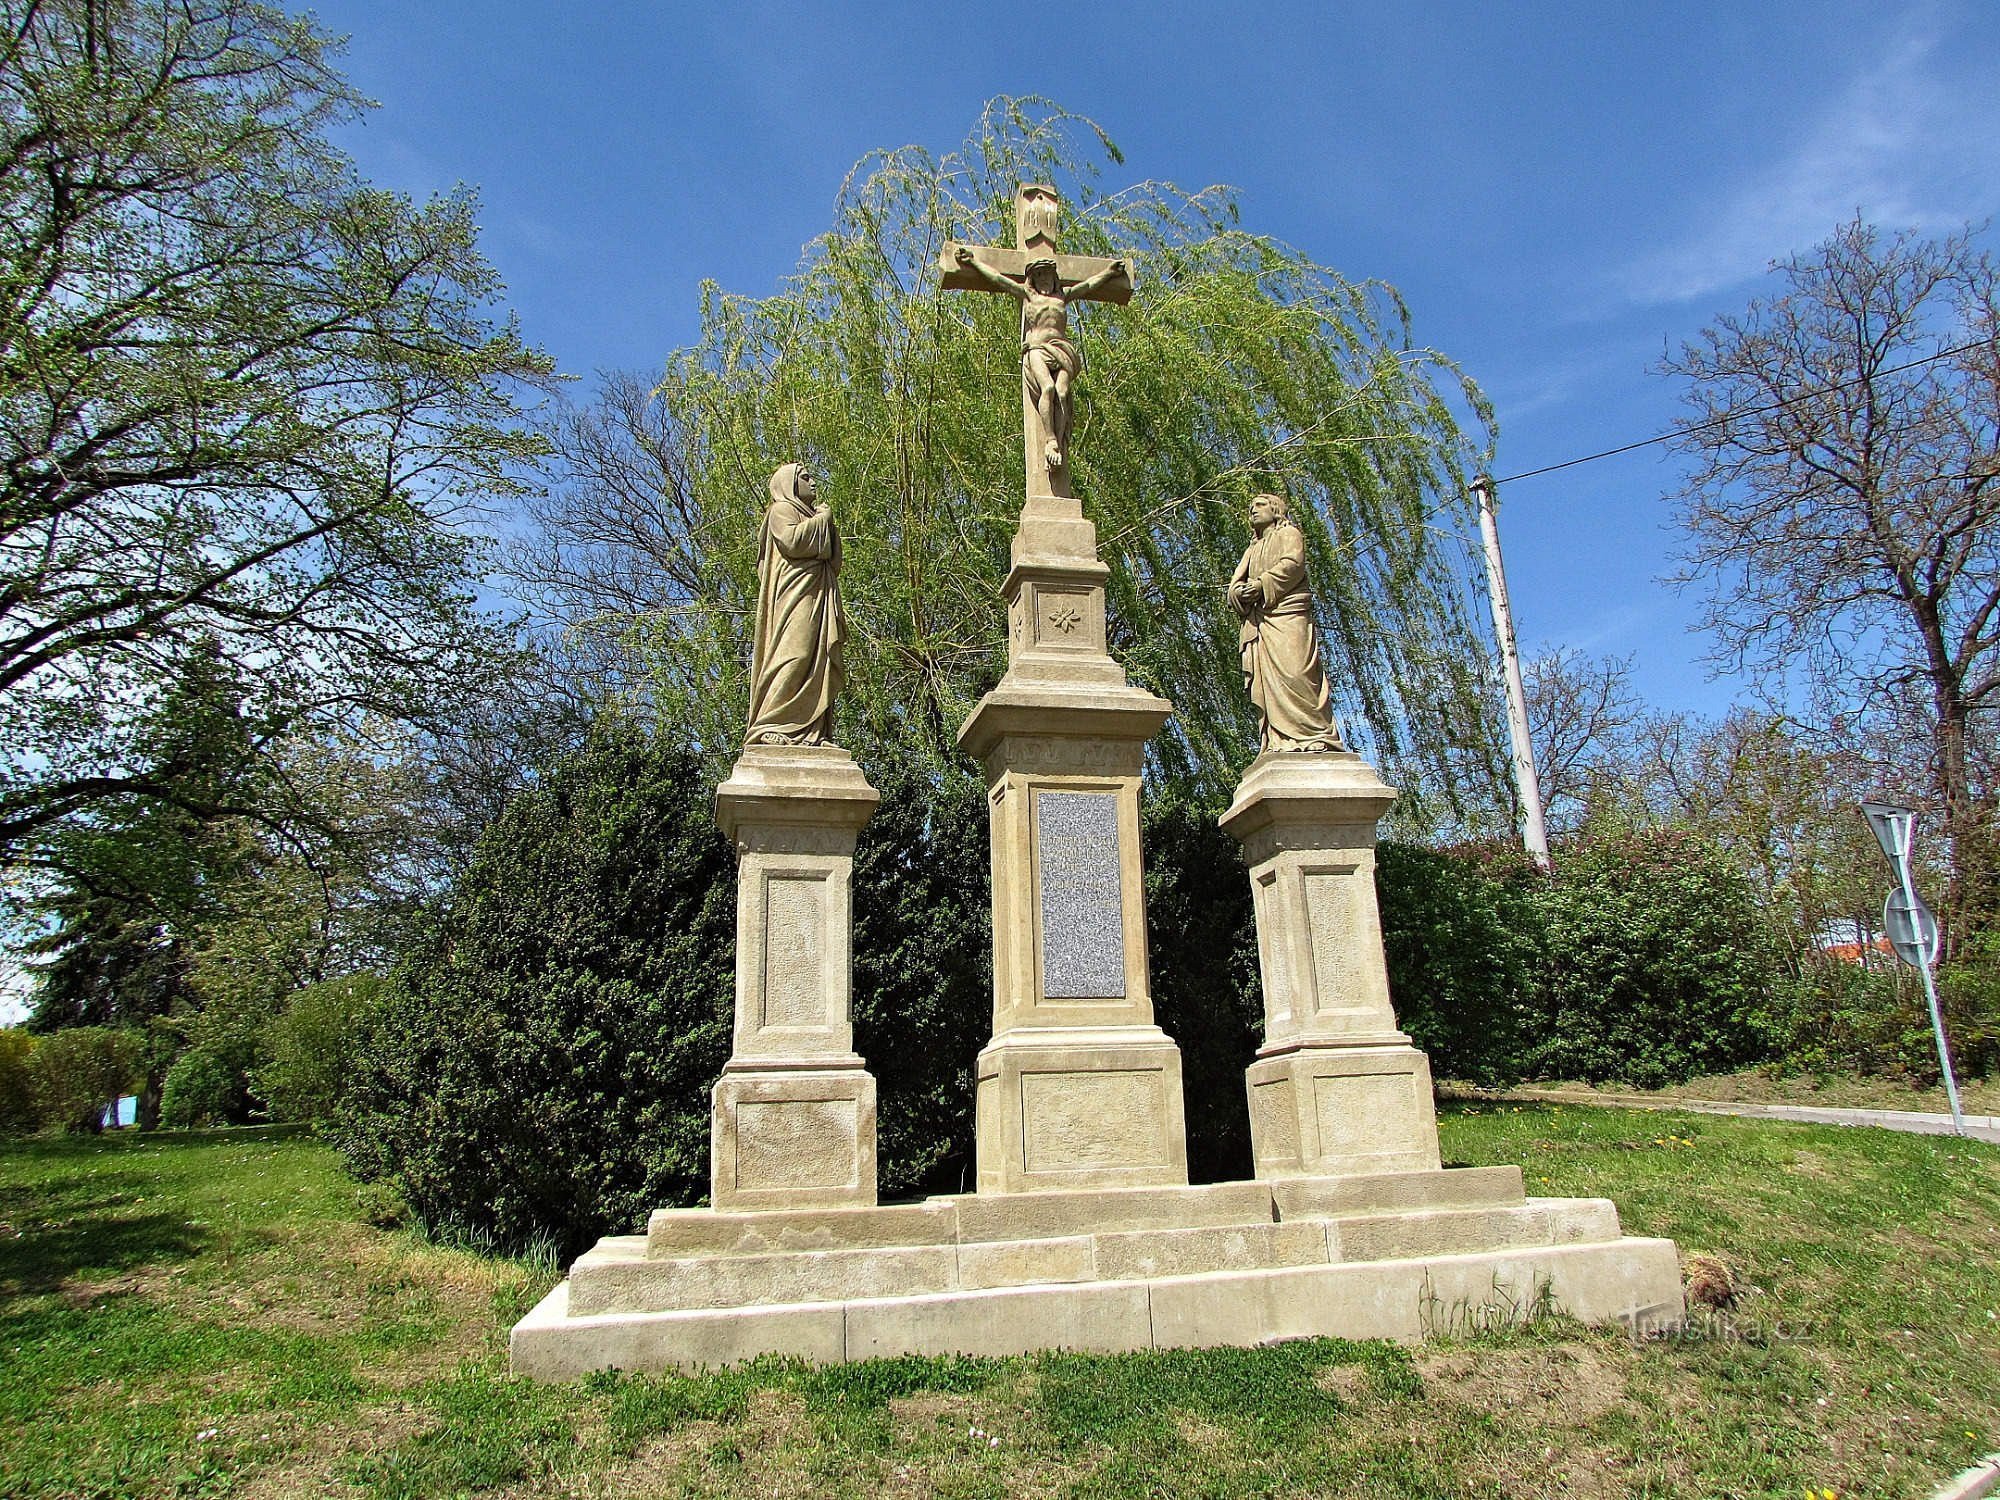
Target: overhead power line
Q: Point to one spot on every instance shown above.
(1737, 416)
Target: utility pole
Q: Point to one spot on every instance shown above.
(1534, 828)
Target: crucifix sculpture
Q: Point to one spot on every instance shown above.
(1045, 282)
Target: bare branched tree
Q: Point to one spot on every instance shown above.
(1844, 508)
(1580, 712)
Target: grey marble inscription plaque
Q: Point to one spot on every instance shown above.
(1082, 898)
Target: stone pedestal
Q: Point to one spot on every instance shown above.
(1078, 1087)
(794, 1110)
(1336, 1087)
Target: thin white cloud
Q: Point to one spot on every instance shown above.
(1911, 142)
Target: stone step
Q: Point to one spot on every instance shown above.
(1027, 1216)
(1634, 1282)
(1397, 1192)
(677, 1233)
(1468, 1231)
(620, 1275)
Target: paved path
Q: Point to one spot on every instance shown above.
(1977, 1127)
(1983, 1478)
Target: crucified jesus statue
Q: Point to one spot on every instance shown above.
(1035, 273)
(1049, 361)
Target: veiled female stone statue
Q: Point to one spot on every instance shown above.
(796, 667)
(1280, 646)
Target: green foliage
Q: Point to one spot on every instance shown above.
(1831, 1017)
(80, 1073)
(1644, 959)
(201, 1089)
(313, 1047)
(541, 1069)
(1969, 996)
(923, 970)
(378, 1204)
(1465, 931)
(542, 1066)
(1240, 363)
(248, 396)
(1836, 1017)
(123, 895)
(1659, 965)
(1201, 938)
(17, 1081)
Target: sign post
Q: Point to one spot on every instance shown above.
(1912, 930)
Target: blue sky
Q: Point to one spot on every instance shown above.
(1560, 191)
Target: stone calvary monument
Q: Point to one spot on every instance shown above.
(1083, 1232)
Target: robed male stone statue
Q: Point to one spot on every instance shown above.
(1280, 645)
(796, 665)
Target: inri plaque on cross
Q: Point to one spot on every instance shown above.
(1044, 281)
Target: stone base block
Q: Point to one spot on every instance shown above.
(1328, 1111)
(793, 1138)
(1067, 1108)
(1392, 1255)
(1632, 1282)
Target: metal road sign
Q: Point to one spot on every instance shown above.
(1912, 929)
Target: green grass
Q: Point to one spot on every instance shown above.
(207, 1315)
(1977, 1096)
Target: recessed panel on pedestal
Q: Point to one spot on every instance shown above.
(794, 951)
(1073, 1121)
(797, 1143)
(1081, 894)
(1335, 921)
(1362, 1115)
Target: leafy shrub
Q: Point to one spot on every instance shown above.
(1201, 938)
(201, 1089)
(377, 1203)
(17, 1089)
(1969, 996)
(313, 1045)
(1643, 959)
(1839, 1017)
(1658, 966)
(1465, 932)
(79, 1073)
(541, 1066)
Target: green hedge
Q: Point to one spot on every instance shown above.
(78, 1073)
(1643, 959)
(18, 1115)
(540, 1068)
(312, 1046)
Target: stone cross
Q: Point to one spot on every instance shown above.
(1045, 282)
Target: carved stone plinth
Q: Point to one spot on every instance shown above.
(1336, 1087)
(794, 1111)
(1078, 1087)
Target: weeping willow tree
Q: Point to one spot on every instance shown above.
(1239, 365)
